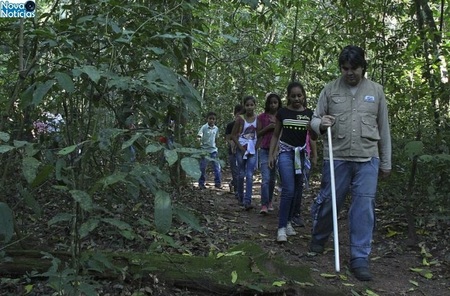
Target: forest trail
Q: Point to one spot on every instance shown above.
(397, 268)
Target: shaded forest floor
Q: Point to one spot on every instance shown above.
(398, 267)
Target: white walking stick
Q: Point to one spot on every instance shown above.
(333, 202)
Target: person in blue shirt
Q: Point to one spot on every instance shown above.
(207, 135)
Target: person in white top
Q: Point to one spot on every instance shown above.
(244, 135)
(207, 136)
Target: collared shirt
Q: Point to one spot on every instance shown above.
(208, 135)
(361, 128)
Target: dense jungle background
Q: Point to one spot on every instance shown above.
(100, 105)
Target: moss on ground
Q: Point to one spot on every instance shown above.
(245, 268)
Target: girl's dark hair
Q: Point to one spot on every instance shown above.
(289, 90)
(268, 97)
(248, 98)
(355, 55)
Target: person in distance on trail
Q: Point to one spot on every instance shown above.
(265, 126)
(244, 136)
(207, 135)
(232, 150)
(355, 108)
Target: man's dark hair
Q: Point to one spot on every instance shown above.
(238, 109)
(210, 114)
(355, 55)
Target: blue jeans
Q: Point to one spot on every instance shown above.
(360, 178)
(268, 177)
(216, 166)
(234, 170)
(246, 169)
(291, 187)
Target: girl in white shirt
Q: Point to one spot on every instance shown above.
(244, 135)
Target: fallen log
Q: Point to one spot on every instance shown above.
(243, 270)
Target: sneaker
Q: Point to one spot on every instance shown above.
(218, 186)
(362, 273)
(297, 221)
(201, 187)
(281, 235)
(316, 248)
(270, 207)
(264, 210)
(290, 230)
(248, 207)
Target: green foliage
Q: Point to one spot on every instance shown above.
(4, 137)
(5, 148)
(163, 212)
(29, 199)
(187, 217)
(6, 223)
(66, 280)
(30, 167)
(83, 199)
(119, 72)
(424, 187)
(191, 167)
(413, 148)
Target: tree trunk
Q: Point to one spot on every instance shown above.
(254, 272)
(431, 48)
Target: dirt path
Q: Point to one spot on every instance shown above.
(398, 268)
(392, 261)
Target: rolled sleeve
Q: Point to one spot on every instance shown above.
(384, 144)
(321, 109)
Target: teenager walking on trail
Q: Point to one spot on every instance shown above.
(207, 135)
(355, 108)
(311, 151)
(232, 150)
(244, 136)
(265, 126)
(289, 136)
